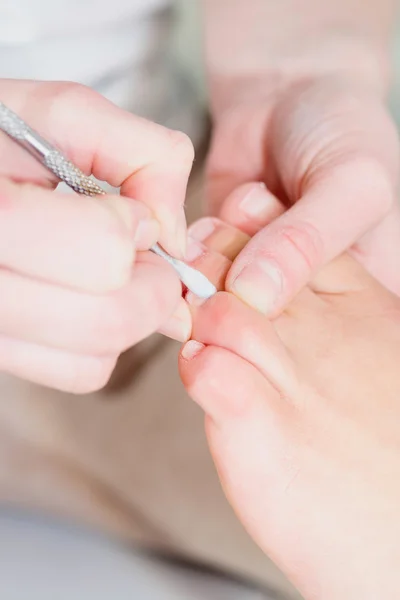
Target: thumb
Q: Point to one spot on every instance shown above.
(379, 250)
(335, 151)
(331, 215)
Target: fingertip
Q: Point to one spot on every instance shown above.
(137, 219)
(250, 207)
(159, 289)
(173, 231)
(276, 264)
(147, 234)
(179, 325)
(54, 368)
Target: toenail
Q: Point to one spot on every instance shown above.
(191, 349)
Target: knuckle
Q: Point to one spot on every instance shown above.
(365, 180)
(68, 103)
(305, 240)
(68, 96)
(181, 146)
(376, 184)
(89, 374)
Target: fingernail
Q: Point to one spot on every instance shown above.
(194, 249)
(259, 285)
(257, 202)
(191, 349)
(179, 326)
(202, 229)
(147, 233)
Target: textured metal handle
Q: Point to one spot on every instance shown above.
(11, 124)
(62, 168)
(71, 175)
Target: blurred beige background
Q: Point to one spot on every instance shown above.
(188, 47)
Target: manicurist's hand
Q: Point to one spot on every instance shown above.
(76, 285)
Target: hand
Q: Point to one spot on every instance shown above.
(72, 294)
(303, 420)
(327, 148)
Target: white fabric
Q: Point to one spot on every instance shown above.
(118, 47)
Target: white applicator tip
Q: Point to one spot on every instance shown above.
(196, 281)
(193, 279)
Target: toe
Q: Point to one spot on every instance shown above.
(227, 322)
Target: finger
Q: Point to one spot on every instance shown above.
(251, 207)
(179, 325)
(69, 372)
(213, 265)
(149, 162)
(106, 324)
(379, 251)
(246, 210)
(335, 152)
(213, 244)
(282, 258)
(217, 236)
(212, 241)
(84, 243)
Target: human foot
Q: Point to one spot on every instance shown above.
(303, 421)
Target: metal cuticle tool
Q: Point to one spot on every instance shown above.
(61, 167)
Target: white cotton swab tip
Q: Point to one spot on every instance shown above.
(193, 279)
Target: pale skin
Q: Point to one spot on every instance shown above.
(297, 98)
(76, 287)
(303, 416)
(297, 94)
(306, 445)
